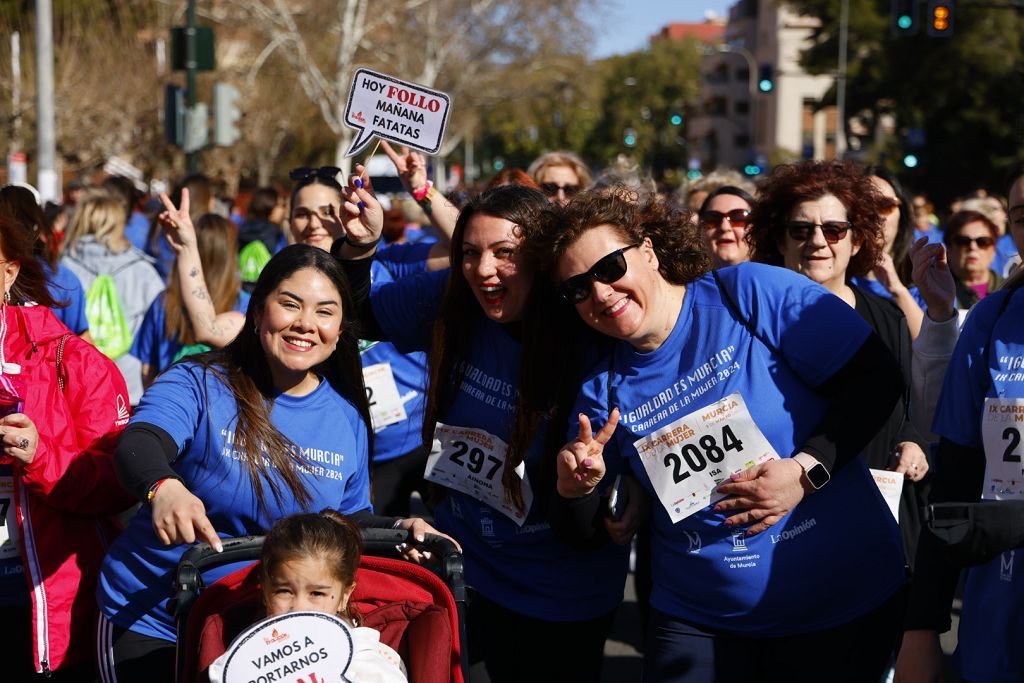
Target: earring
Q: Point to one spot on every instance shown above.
(7, 297)
(256, 330)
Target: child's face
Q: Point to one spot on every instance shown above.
(305, 584)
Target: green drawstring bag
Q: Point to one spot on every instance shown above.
(109, 329)
(251, 260)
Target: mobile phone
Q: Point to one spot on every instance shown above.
(618, 499)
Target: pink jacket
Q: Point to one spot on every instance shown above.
(65, 495)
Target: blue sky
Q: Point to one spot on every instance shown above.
(626, 25)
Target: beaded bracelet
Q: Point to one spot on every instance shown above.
(151, 493)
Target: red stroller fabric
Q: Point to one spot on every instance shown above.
(410, 606)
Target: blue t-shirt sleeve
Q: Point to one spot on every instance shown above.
(357, 489)
(957, 415)
(242, 302)
(65, 287)
(175, 403)
(815, 331)
(147, 340)
(403, 260)
(406, 309)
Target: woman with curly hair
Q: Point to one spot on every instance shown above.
(740, 398)
(823, 219)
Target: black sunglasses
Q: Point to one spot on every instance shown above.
(551, 189)
(712, 219)
(833, 231)
(964, 241)
(608, 269)
(306, 172)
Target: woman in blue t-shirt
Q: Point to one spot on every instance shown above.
(978, 457)
(740, 399)
(534, 593)
(275, 423)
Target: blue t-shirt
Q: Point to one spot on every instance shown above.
(403, 260)
(64, 286)
(137, 230)
(934, 235)
(151, 345)
(838, 554)
(13, 588)
(524, 568)
(410, 374)
(1005, 250)
(878, 289)
(199, 413)
(987, 362)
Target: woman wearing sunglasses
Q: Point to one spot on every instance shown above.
(826, 221)
(534, 593)
(723, 218)
(739, 398)
(970, 237)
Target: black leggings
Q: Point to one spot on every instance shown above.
(858, 651)
(124, 656)
(521, 649)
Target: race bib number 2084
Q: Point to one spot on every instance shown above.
(688, 459)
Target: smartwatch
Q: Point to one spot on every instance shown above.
(813, 470)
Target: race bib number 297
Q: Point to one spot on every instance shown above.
(689, 458)
(473, 461)
(1002, 425)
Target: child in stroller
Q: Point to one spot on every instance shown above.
(417, 613)
(309, 563)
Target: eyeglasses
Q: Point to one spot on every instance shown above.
(712, 219)
(608, 269)
(551, 189)
(890, 205)
(964, 241)
(306, 172)
(833, 231)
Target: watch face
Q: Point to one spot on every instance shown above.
(818, 476)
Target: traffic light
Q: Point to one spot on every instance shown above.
(940, 18)
(910, 160)
(676, 119)
(629, 137)
(904, 18)
(197, 128)
(174, 115)
(226, 115)
(752, 169)
(765, 81)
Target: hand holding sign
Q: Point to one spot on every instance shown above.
(581, 462)
(362, 216)
(395, 110)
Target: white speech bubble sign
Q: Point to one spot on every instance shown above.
(395, 110)
(307, 646)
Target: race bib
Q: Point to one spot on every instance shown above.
(472, 461)
(1001, 426)
(8, 520)
(689, 458)
(386, 406)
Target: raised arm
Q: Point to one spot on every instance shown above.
(412, 171)
(210, 328)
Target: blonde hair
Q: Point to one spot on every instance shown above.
(103, 216)
(561, 158)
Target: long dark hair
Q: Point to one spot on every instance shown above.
(242, 366)
(905, 232)
(18, 243)
(524, 207)
(326, 535)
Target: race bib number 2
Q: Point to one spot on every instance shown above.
(689, 458)
(472, 461)
(8, 520)
(386, 405)
(1002, 425)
